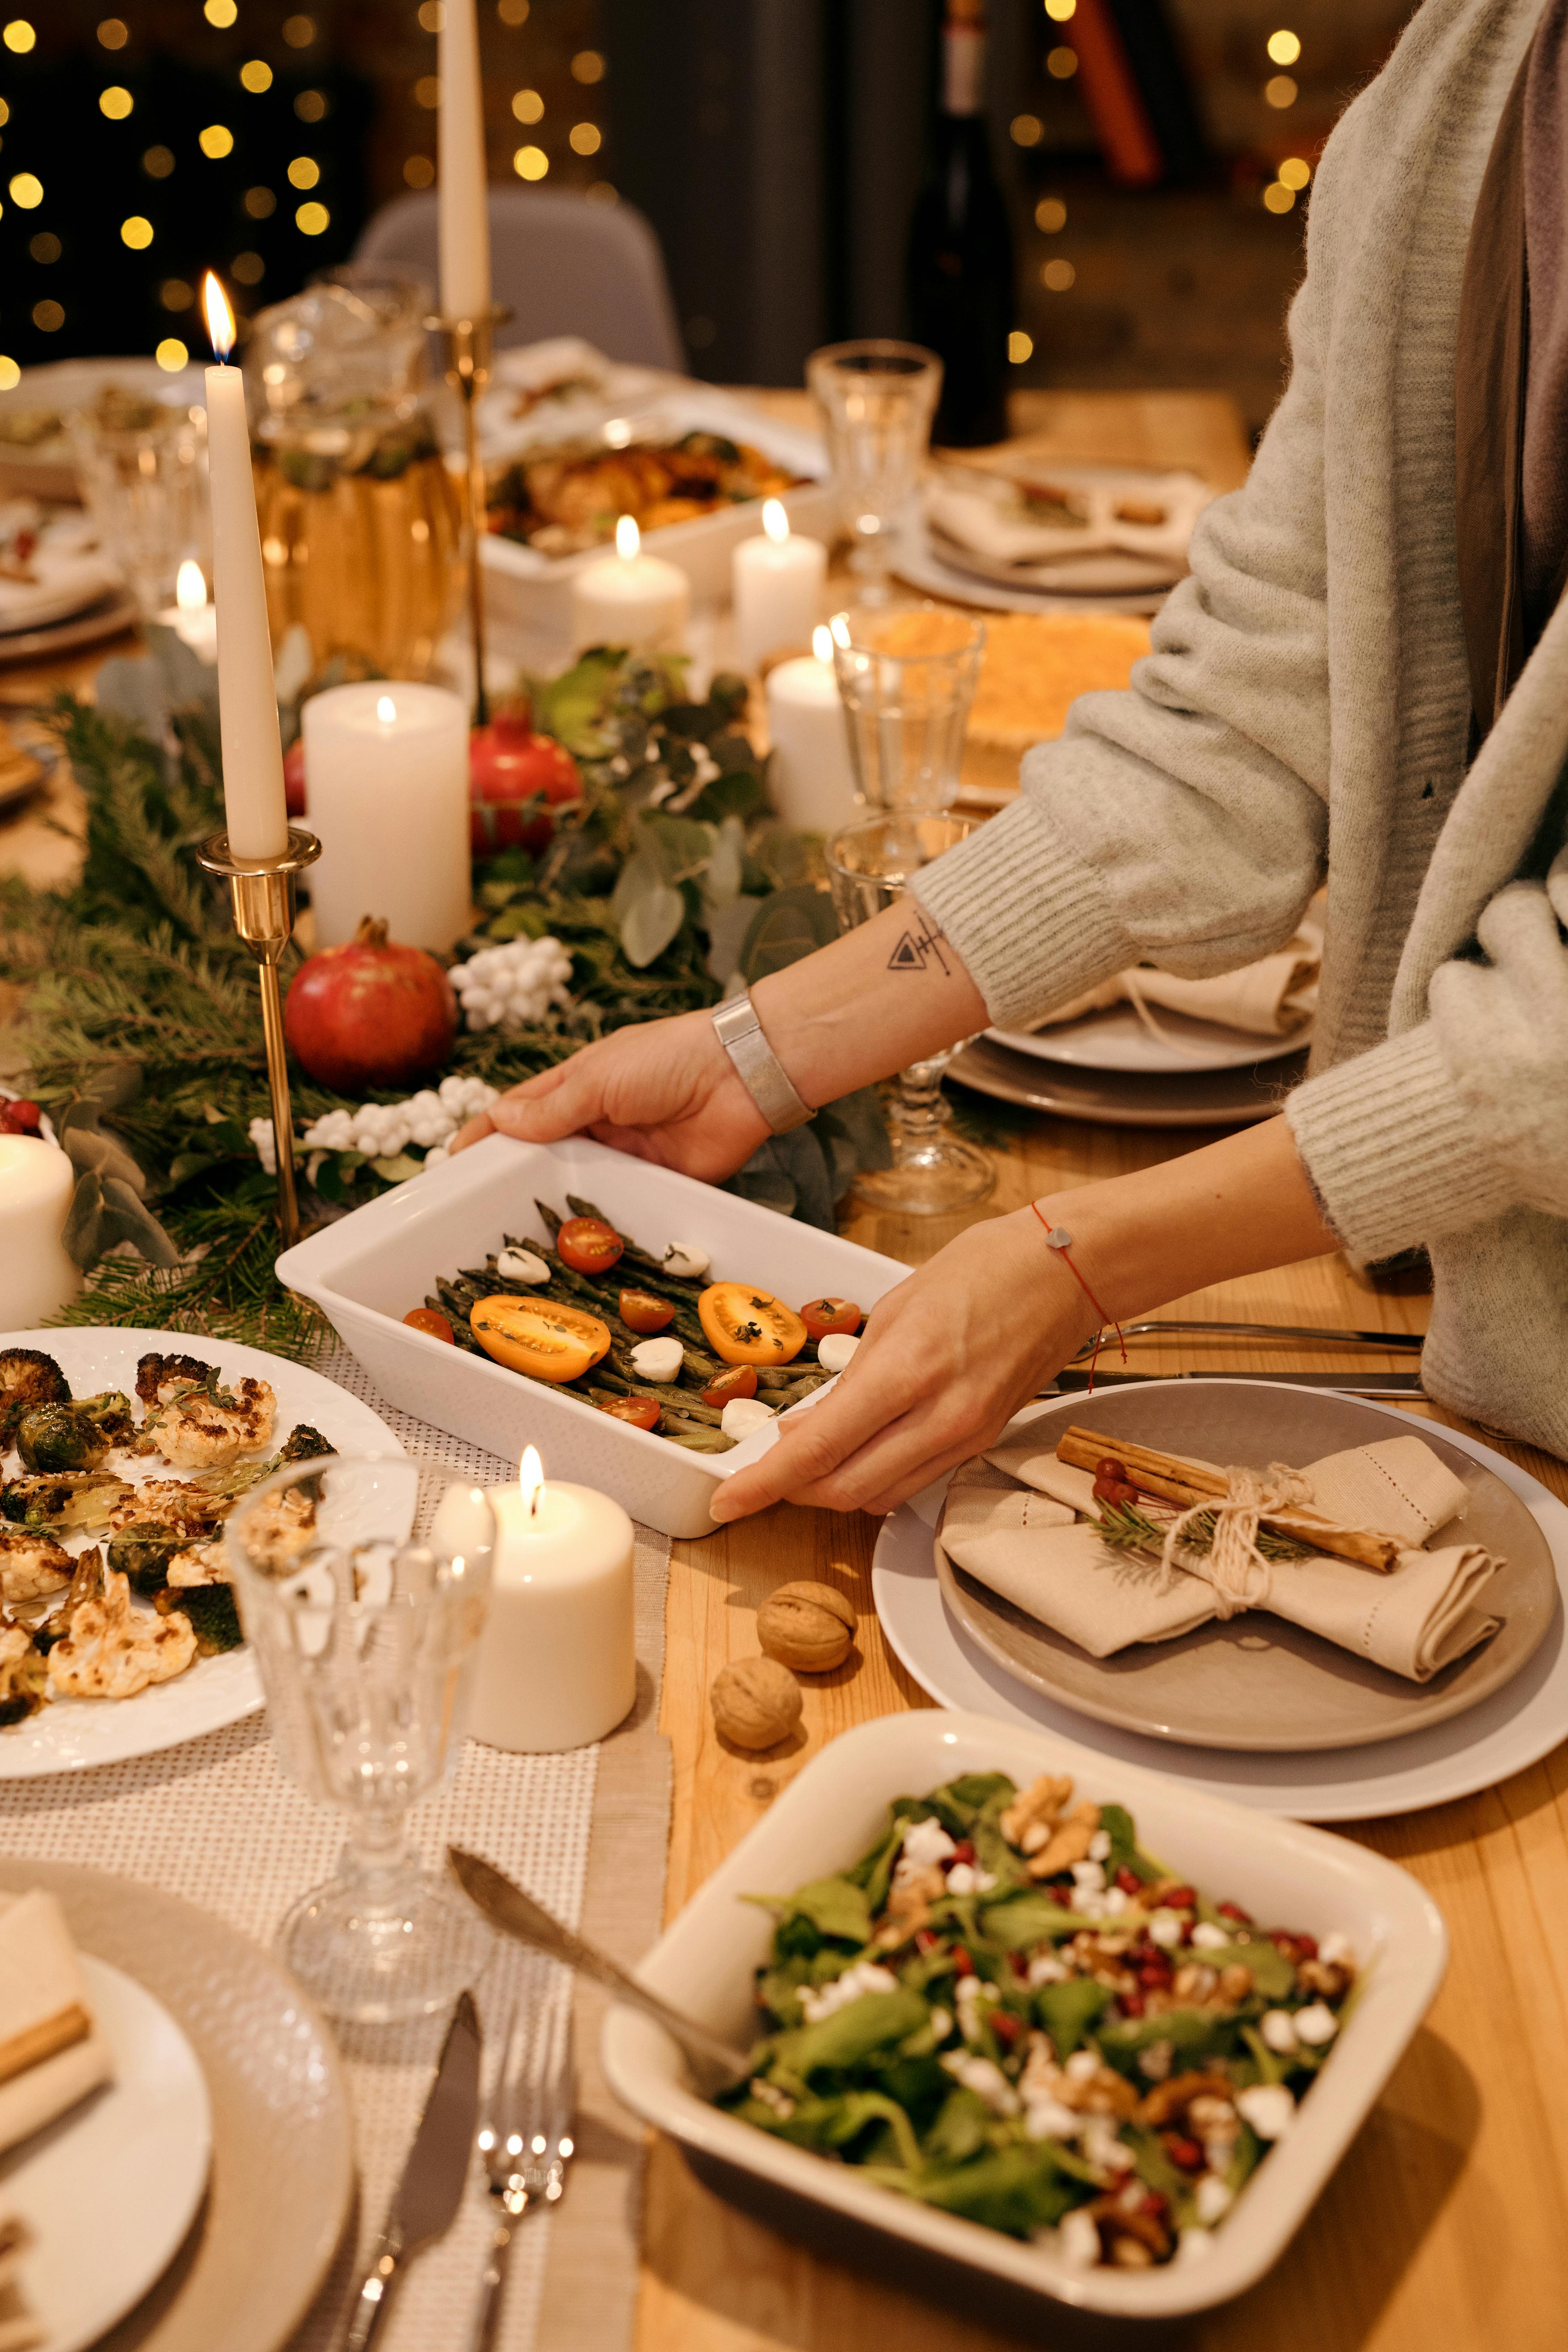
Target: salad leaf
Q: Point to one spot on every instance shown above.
(1272, 1974)
(1116, 1824)
(836, 1908)
(1195, 2035)
(1017, 2189)
(1067, 2011)
(959, 2131)
(850, 2036)
(1029, 1916)
(835, 2123)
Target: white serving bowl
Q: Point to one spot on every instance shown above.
(367, 1271)
(1282, 1873)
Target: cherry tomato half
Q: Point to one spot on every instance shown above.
(740, 1381)
(822, 1315)
(642, 1312)
(641, 1411)
(537, 1337)
(750, 1327)
(588, 1245)
(424, 1318)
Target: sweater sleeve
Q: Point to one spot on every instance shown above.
(1465, 1117)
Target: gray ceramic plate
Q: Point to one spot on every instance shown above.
(1257, 1682)
(1127, 1097)
(282, 2168)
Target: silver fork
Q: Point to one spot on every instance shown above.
(526, 2137)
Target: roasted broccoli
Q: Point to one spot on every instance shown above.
(304, 1444)
(55, 1437)
(28, 1378)
(210, 1610)
(160, 1378)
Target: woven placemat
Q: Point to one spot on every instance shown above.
(216, 1821)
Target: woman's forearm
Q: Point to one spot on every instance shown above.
(881, 997)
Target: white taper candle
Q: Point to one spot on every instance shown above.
(465, 227)
(247, 698)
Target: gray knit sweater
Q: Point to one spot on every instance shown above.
(1306, 704)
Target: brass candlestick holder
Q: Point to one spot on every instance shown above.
(468, 344)
(261, 893)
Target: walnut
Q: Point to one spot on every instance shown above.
(756, 1702)
(1200, 2097)
(807, 1627)
(1069, 1843)
(1034, 1808)
(1235, 1981)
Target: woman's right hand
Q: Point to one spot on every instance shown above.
(665, 1091)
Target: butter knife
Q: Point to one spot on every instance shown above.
(1073, 1380)
(431, 2189)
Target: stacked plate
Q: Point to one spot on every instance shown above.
(1256, 1709)
(1115, 1069)
(1030, 534)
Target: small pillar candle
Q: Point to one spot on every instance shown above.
(37, 1276)
(557, 1659)
(630, 599)
(810, 779)
(387, 780)
(190, 615)
(777, 580)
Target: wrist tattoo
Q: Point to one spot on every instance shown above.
(918, 947)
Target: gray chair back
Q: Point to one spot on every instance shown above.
(561, 265)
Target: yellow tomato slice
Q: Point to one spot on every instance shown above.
(537, 1337)
(750, 1327)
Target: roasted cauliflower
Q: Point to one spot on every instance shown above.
(32, 1565)
(111, 1651)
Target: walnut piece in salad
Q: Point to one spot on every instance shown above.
(1009, 2011)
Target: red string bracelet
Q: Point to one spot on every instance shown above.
(1060, 1240)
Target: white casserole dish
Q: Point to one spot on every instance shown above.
(1283, 1872)
(367, 1271)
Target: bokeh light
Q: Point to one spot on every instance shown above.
(1050, 214)
(311, 219)
(419, 172)
(531, 163)
(1061, 63)
(216, 142)
(26, 190)
(584, 139)
(136, 232)
(304, 171)
(1279, 91)
(1058, 277)
(256, 75)
(115, 102)
(527, 105)
(19, 36)
(171, 354)
(1284, 48)
(1020, 346)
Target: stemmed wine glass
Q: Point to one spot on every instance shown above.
(363, 1586)
(877, 399)
(869, 865)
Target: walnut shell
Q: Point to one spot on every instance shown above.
(807, 1627)
(756, 1702)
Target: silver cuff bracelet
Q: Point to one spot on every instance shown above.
(757, 1067)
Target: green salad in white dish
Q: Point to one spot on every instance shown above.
(1009, 2011)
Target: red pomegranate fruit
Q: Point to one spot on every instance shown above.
(509, 764)
(370, 1014)
(294, 777)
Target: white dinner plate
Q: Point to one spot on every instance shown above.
(109, 2190)
(1516, 1726)
(67, 1735)
(1116, 1039)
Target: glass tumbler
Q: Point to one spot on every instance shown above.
(363, 1586)
(907, 677)
(877, 399)
(869, 865)
(143, 467)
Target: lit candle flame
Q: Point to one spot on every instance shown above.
(531, 1471)
(840, 628)
(629, 539)
(822, 643)
(387, 711)
(775, 522)
(190, 586)
(220, 317)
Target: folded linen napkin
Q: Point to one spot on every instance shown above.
(19, 2330)
(989, 514)
(51, 2054)
(1413, 1621)
(1268, 999)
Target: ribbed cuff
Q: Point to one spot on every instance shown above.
(1392, 1151)
(1032, 921)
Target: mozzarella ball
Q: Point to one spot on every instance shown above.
(688, 1260)
(743, 1414)
(522, 1266)
(658, 1360)
(833, 1353)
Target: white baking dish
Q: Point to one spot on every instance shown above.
(367, 1271)
(1282, 1873)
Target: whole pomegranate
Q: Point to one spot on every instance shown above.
(294, 777)
(370, 1014)
(508, 763)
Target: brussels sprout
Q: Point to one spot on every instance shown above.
(141, 1553)
(54, 1437)
(77, 1498)
(28, 1378)
(111, 1414)
(212, 1616)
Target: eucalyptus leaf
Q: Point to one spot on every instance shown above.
(649, 924)
(788, 925)
(105, 1212)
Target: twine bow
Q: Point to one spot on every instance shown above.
(1241, 1576)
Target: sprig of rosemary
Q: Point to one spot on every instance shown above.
(1125, 1527)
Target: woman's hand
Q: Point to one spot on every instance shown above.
(667, 1092)
(946, 1360)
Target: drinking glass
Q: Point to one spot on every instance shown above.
(363, 1586)
(907, 677)
(142, 466)
(869, 865)
(877, 399)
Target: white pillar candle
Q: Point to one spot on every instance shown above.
(386, 781)
(810, 779)
(630, 599)
(465, 225)
(36, 1277)
(190, 615)
(557, 1658)
(247, 700)
(777, 580)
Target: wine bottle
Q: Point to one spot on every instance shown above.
(959, 269)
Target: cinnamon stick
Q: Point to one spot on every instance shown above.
(45, 2039)
(1191, 1484)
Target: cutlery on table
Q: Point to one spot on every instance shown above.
(1071, 1381)
(526, 2137)
(431, 2189)
(1325, 1336)
(506, 1906)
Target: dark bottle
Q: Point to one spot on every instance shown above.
(960, 271)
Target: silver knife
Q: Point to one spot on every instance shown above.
(1072, 1382)
(431, 2189)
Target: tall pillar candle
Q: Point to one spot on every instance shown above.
(777, 581)
(36, 1275)
(463, 216)
(253, 798)
(810, 778)
(386, 780)
(630, 599)
(558, 1657)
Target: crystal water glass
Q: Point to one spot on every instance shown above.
(363, 1586)
(907, 677)
(877, 399)
(142, 467)
(869, 865)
